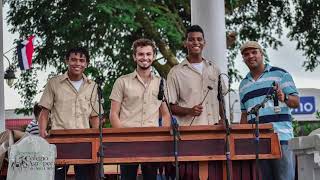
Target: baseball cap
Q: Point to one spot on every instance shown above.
(250, 44)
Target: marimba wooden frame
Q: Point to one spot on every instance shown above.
(155, 144)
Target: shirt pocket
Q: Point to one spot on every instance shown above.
(86, 104)
(64, 101)
(132, 97)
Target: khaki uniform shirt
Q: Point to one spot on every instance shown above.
(139, 102)
(69, 108)
(187, 88)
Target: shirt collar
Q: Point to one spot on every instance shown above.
(186, 62)
(267, 68)
(66, 76)
(135, 74)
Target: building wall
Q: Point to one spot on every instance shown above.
(16, 121)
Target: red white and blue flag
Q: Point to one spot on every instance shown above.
(25, 50)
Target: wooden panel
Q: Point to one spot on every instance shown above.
(248, 146)
(74, 150)
(164, 148)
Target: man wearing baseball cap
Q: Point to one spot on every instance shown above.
(253, 90)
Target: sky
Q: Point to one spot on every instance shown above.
(290, 59)
(286, 57)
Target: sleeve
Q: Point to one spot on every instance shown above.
(47, 97)
(28, 129)
(287, 85)
(172, 88)
(117, 90)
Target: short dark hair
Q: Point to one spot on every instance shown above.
(143, 42)
(194, 28)
(76, 50)
(36, 110)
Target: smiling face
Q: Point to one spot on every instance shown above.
(253, 59)
(77, 62)
(144, 57)
(194, 43)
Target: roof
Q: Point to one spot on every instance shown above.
(17, 124)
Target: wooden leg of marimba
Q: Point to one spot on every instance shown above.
(203, 170)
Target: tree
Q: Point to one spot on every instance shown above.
(108, 28)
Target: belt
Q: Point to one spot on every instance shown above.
(283, 142)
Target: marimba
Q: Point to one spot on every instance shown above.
(203, 144)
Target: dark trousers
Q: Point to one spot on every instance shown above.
(129, 171)
(82, 172)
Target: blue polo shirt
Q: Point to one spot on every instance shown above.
(253, 92)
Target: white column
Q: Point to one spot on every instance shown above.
(210, 15)
(2, 117)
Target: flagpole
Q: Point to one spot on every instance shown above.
(2, 117)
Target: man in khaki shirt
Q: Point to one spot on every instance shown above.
(134, 102)
(71, 99)
(188, 84)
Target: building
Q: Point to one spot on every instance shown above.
(16, 121)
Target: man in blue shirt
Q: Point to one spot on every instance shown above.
(253, 90)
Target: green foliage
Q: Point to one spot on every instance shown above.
(304, 128)
(305, 30)
(264, 21)
(107, 28)
(28, 80)
(318, 114)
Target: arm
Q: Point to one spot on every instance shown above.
(114, 114)
(183, 111)
(244, 119)
(94, 121)
(43, 122)
(293, 101)
(173, 96)
(165, 114)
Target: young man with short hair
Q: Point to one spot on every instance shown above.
(71, 100)
(188, 84)
(134, 102)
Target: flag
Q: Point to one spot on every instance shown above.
(25, 51)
